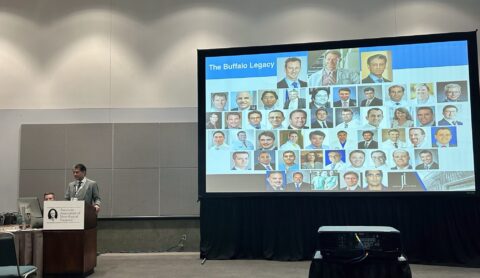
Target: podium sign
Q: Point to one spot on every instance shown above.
(63, 215)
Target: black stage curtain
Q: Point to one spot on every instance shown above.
(435, 229)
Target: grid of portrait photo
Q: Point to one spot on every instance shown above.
(340, 120)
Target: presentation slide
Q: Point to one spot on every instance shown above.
(365, 119)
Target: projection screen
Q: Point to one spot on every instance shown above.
(374, 115)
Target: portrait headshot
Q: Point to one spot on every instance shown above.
(426, 159)
(426, 116)
(297, 119)
(240, 140)
(255, 120)
(317, 139)
(269, 100)
(243, 100)
(344, 97)
(367, 140)
(312, 159)
(444, 137)
(265, 160)
(396, 96)
(347, 118)
(297, 182)
(343, 141)
(218, 141)
(288, 160)
(376, 67)
(374, 180)
(401, 117)
(291, 140)
(219, 101)
(374, 118)
(319, 98)
(393, 138)
(351, 181)
(292, 72)
(233, 120)
(449, 113)
(240, 161)
(423, 93)
(275, 180)
(266, 140)
(322, 118)
(333, 67)
(401, 158)
(452, 91)
(370, 95)
(213, 120)
(276, 119)
(379, 160)
(335, 160)
(52, 214)
(418, 138)
(296, 99)
(356, 160)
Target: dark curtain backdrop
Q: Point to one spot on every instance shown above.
(434, 229)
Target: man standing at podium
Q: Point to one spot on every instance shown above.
(83, 189)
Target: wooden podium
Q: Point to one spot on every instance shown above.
(71, 252)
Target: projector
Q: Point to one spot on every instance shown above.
(356, 243)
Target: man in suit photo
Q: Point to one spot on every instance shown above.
(370, 98)
(401, 158)
(417, 138)
(453, 93)
(344, 101)
(449, 116)
(275, 181)
(443, 138)
(293, 66)
(426, 157)
(244, 101)
(352, 180)
(298, 119)
(425, 116)
(240, 161)
(376, 65)
(298, 184)
(264, 159)
(368, 142)
(321, 121)
(83, 189)
(331, 74)
(294, 100)
(266, 141)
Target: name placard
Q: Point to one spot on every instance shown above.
(63, 215)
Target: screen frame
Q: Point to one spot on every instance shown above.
(202, 54)
(33, 203)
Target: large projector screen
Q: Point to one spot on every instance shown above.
(376, 115)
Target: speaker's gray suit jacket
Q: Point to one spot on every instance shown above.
(88, 192)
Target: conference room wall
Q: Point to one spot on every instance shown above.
(124, 158)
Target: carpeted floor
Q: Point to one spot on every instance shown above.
(188, 265)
